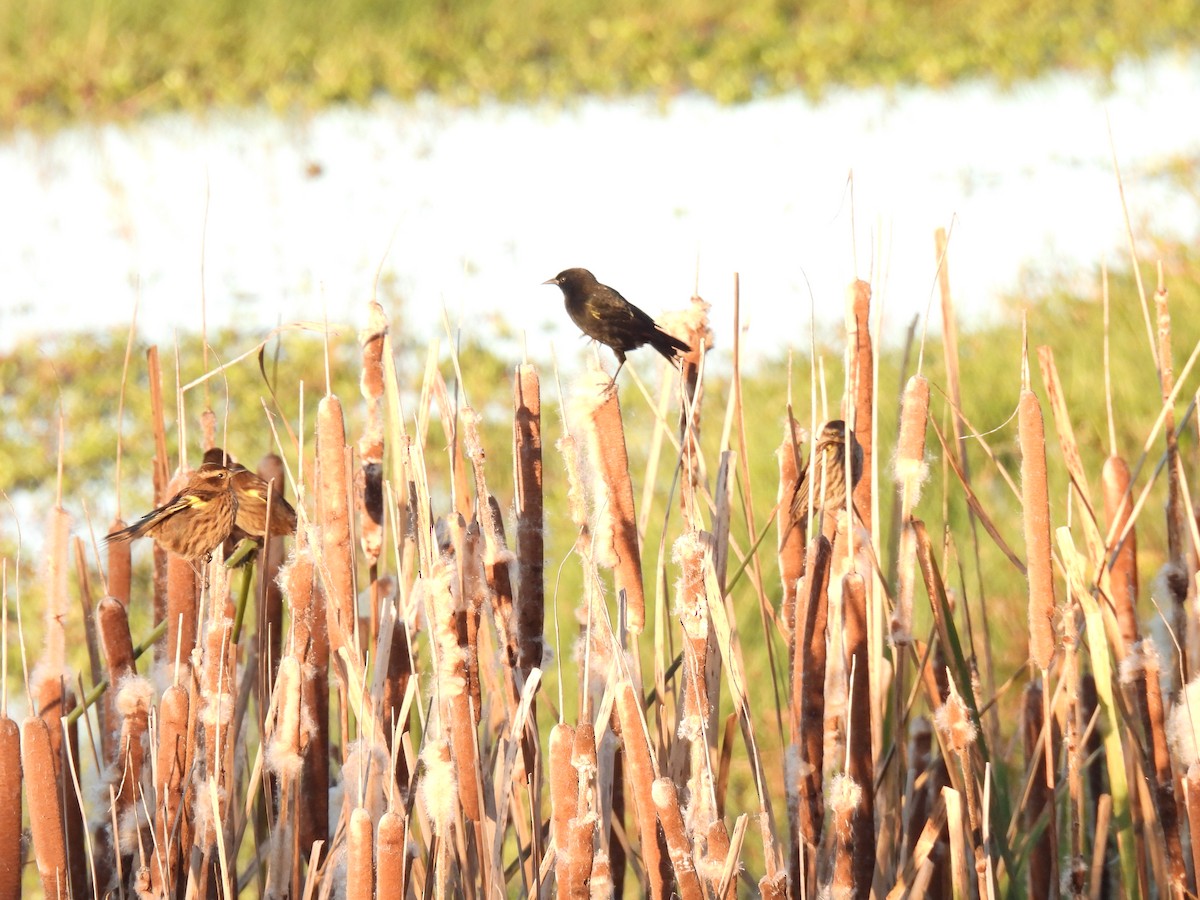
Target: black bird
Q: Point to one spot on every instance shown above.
(605, 316)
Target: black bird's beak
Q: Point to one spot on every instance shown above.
(550, 281)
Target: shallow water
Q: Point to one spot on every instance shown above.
(480, 205)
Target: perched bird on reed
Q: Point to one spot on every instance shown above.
(825, 475)
(605, 316)
(193, 522)
(251, 491)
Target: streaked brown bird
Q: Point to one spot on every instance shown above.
(827, 470)
(193, 522)
(605, 316)
(251, 491)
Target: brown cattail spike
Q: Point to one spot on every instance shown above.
(527, 463)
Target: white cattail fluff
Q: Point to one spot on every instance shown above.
(1183, 725)
(438, 788)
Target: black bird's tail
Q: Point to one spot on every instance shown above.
(667, 344)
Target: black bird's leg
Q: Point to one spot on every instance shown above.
(620, 365)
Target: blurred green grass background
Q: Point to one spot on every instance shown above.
(64, 59)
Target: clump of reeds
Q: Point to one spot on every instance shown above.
(383, 730)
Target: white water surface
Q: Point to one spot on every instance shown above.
(479, 206)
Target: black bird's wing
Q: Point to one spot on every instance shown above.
(615, 321)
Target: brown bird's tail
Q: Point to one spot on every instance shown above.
(667, 344)
(136, 530)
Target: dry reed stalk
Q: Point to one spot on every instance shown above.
(582, 827)
(911, 471)
(10, 809)
(395, 685)
(174, 758)
(1039, 800)
(1070, 452)
(925, 835)
(1093, 750)
(1122, 577)
(722, 515)
(950, 344)
(216, 717)
(860, 764)
(285, 760)
(617, 820)
(616, 545)
(1101, 880)
(808, 696)
(955, 829)
(527, 497)
(958, 732)
(933, 672)
(859, 301)
(1176, 571)
(498, 565)
(333, 520)
(161, 482)
(731, 657)
(1162, 788)
(360, 857)
(270, 613)
(484, 566)
(725, 761)
(309, 646)
(45, 807)
(697, 723)
(790, 542)
(1131, 678)
(106, 714)
(391, 855)
(1183, 735)
(641, 769)
(453, 688)
(1035, 503)
(72, 802)
(679, 844)
(120, 564)
(564, 800)
(448, 411)
(470, 594)
(690, 325)
(916, 807)
(1191, 792)
(1072, 878)
(920, 869)
(937, 783)
(369, 483)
